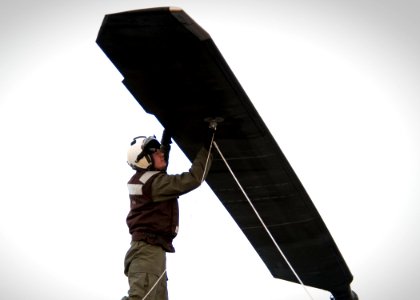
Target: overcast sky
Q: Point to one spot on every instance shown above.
(344, 77)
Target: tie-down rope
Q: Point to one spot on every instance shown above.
(202, 179)
(208, 157)
(153, 287)
(262, 222)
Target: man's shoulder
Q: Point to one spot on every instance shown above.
(147, 175)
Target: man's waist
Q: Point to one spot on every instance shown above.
(162, 239)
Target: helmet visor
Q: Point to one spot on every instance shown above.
(151, 145)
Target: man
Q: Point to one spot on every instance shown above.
(153, 216)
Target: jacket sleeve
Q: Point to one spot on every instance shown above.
(165, 186)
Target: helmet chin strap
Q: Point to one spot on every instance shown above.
(140, 156)
(149, 160)
(146, 156)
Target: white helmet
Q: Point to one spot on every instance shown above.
(140, 150)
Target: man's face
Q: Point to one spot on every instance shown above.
(159, 162)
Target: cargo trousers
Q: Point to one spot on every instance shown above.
(143, 265)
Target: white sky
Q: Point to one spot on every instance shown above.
(344, 78)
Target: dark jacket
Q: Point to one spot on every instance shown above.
(153, 215)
